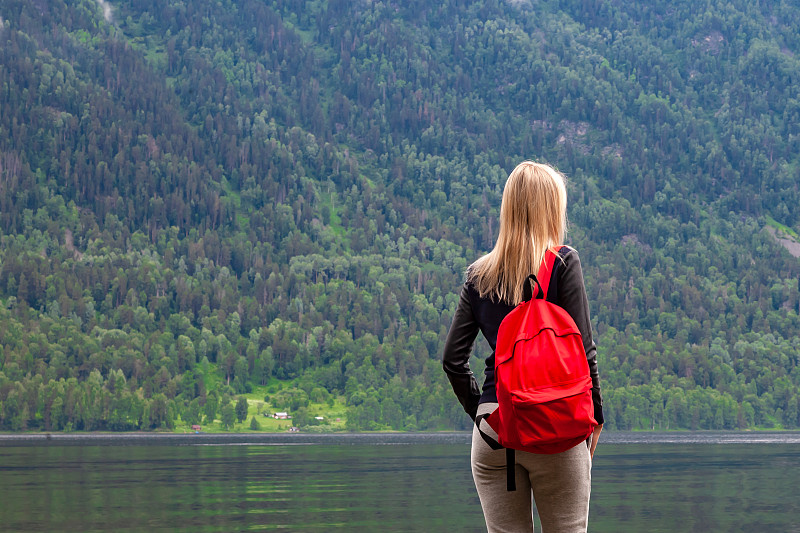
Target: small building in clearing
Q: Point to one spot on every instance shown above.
(281, 416)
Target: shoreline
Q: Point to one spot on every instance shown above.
(374, 438)
(241, 439)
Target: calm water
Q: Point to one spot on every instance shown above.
(641, 482)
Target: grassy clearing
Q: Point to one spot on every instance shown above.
(334, 419)
(211, 376)
(780, 227)
(333, 411)
(335, 222)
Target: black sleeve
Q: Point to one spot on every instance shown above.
(455, 358)
(572, 297)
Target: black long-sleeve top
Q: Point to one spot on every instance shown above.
(475, 314)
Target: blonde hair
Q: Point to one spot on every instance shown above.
(533, 219)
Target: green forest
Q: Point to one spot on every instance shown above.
(203, 201)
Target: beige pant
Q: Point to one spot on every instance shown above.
(559, 484)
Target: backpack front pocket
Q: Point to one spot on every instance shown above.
(554, 419)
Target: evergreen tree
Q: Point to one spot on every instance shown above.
(241, 409)
(228, 415)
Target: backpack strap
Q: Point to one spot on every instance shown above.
(511, 464)
(541, 280)
(546, 270)
(493, 444)
(511, 460)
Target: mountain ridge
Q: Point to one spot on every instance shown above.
(292, 190)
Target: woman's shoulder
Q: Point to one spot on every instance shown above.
(566, 250)
(469, 287)
(485, 303)
(569, 266)
(568, 254)
(471, 290)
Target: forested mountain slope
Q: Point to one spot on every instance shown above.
(291, 191)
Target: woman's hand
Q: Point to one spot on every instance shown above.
(595, 438)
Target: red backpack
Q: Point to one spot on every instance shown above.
(544, 390)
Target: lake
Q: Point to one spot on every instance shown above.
(671, 482)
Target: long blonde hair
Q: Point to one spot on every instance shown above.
(533, 219)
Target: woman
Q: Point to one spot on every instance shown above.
(533, 217)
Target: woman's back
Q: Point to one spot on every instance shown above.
(532, 221)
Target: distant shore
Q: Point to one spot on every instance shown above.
(375, 438)
(180, 439)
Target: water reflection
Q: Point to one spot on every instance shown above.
(701, 488)
(412, 485)
(234, 488)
